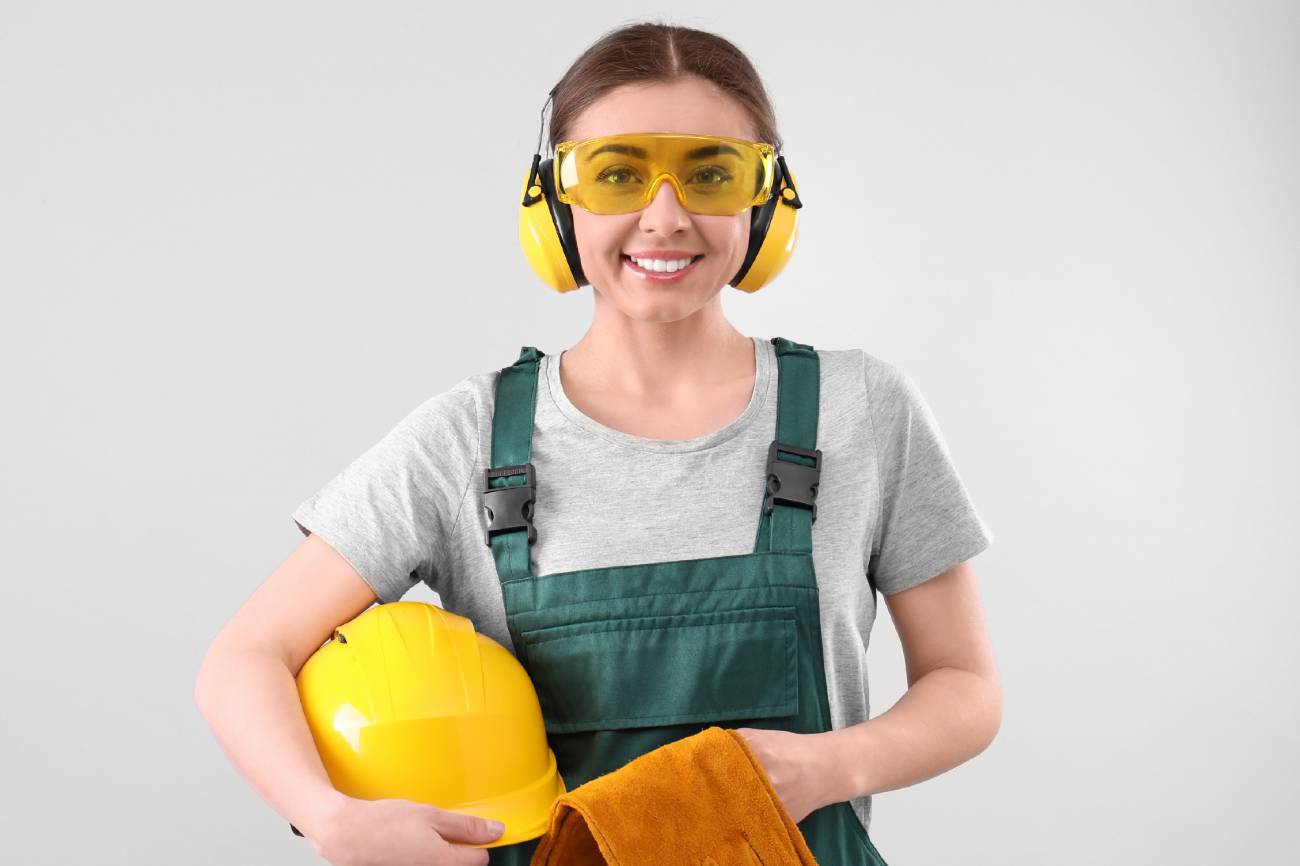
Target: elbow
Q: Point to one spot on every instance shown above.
(203, 683)
(207, 679)
(201, 692)
(991, 709)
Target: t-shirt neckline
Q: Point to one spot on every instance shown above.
(764, 356)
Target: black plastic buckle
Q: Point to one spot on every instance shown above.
(789, 482)
(509, 508)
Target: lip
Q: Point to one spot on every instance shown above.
(655, 276)
(663, 254)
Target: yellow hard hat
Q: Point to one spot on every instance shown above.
(408, 701)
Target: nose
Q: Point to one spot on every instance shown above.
(664, 213)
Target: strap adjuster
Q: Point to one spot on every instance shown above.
(509, 508)
(789, 482)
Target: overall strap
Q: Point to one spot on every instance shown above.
(793, 461)
(509, 481)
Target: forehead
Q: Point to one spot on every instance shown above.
(687, 105)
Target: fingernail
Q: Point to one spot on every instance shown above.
(496, 826)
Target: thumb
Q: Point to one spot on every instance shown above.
(465, 828)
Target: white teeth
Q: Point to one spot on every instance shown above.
(661, 265)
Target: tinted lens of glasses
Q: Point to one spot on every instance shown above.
(616, 174)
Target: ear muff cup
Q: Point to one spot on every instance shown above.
(546, 231)
(550, 245)
(773, 233)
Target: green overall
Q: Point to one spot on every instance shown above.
(629, 658)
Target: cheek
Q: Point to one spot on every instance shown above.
(731, 235)
(597, 238)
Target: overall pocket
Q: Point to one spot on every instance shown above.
(709, 668)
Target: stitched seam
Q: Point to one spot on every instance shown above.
(677, 718)
(534, 577)
(614, 626)
(875, 456)
(461, 507)
(581, 604)
(662, 562)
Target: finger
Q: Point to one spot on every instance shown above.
(464, 828)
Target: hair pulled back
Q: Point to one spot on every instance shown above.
(652, 52)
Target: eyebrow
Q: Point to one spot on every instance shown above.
(620, 148)
(630, 150)
(712, 150)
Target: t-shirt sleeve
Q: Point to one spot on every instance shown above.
(927, 522)
(391, 511)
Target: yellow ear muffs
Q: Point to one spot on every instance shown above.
(547, 238)
(773, 233)
(546, 231)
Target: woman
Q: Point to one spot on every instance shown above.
(651, 441)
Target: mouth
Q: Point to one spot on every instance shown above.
(659, 276)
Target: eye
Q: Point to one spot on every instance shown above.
(712, 175)
(609, 175)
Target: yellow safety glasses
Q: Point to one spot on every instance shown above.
(617, 174)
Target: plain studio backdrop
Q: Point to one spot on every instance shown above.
(240, 241)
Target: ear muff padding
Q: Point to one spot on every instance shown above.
(761, 224)
(760, 219)
(562, 218)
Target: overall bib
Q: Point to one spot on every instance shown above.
(626, 659)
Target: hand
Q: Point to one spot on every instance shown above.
(794, 764)
(398, 832)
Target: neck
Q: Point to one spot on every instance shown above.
(660, 360)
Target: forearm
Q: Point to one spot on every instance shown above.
(946, 718)
(251, 702)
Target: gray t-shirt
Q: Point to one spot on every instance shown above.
(890, 503)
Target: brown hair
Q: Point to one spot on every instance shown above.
(658, 52)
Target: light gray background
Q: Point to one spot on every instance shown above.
(239, 241)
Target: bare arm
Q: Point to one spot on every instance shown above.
(245, 687)
(952, 708)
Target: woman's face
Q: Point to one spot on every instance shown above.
(690, 105)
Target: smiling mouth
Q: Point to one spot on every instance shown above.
(637, 268)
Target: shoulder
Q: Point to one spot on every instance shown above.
(887, 398)
(890, 391)
(449, 420)
(882, 377)
(881, 382)
(454, 405)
